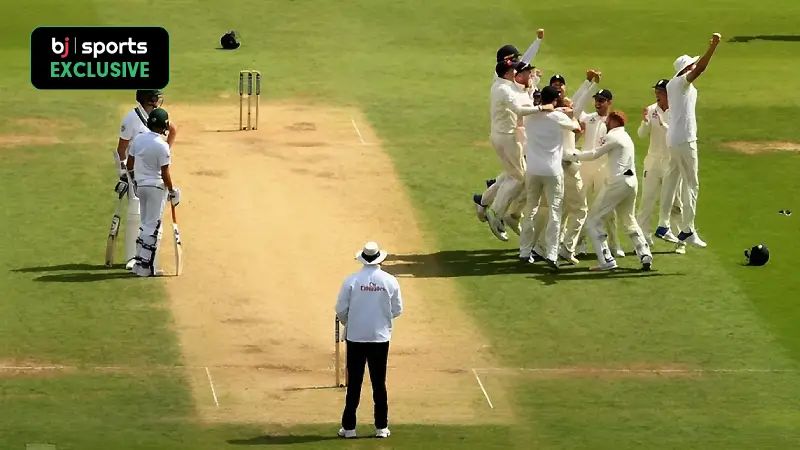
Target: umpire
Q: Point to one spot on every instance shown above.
(367, 303)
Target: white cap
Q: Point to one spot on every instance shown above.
(683, 62)
(371, 254)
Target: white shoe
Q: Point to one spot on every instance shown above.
(608, 265)
(347, 434)
(647, 262)
(665, 234)
(382, 433)
(680, 248)
(567, 256)
(129, 265)
(619, 253)
(495, 225)
(513, 223)
(692, 238)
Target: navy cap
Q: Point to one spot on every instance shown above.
(661, 84)
(604, 93)
(523, 66)
(507, 51)
(559, 78)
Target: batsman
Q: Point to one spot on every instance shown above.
(133, 124)
(148, 162)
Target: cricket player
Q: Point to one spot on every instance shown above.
(148, 164)
(506, 106)
(618, 194)
(510, 55)
(655, 119)
(575, 203)
(369, 300)
(133, 124)
(544, 174)
(682, 143)
(594, 172)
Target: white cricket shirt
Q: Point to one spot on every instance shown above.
(656, 126)
(682, 97)
(132, 124)
(368, 301)
(505, 106)
(151, 152)
(545, 147)
(595, 129)
(618, 145)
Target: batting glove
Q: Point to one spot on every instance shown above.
(175, 196)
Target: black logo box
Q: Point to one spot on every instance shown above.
(118, 58)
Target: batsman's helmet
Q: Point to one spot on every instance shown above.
(149, 95)
(229, 40)
(158, 120)
(757, 256)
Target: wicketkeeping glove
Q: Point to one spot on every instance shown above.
(175, 196)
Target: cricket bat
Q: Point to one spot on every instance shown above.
(176, 234)
(341, 356)
(112, 235)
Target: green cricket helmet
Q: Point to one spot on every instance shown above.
(153, 96)
(158, 120)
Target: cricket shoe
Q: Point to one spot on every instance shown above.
(665, 234)
(496, 225)
(692, 238)
(490, 182)
(129, 265)
(680, 248)
(480, 210)
(513, 223)
(610, 264)
(647, 262)
(619, 252)
(535, 257)
(347, 434)
(564, 254)
(553, 265)
(381, 433)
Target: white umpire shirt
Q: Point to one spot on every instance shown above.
(368, 301)
(152, 153)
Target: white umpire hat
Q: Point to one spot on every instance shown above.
(371, 254)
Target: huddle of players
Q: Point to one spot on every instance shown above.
(143, 159)
(545, 178)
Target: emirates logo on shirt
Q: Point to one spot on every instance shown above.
(372, 287)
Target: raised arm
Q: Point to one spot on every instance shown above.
(581, 97)
(531, 52)
(702, 63)
(644, 127)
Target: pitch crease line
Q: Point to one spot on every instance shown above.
(358, 132)
(213, 391)
(634, 371)
(480, 384)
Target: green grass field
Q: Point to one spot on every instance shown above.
(421, 71)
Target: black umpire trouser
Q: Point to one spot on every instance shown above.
(375, 355)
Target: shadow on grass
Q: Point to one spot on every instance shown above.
(469, 263)
(59, 267)
(83, 277)
(281, 440)
(767, 37)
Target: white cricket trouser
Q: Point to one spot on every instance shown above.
(152, 200)
(509, 151)
(618, 194)
(132, 222)
(594, 175)
(575, 205)
(553, 189)
(653, 189)
(683, 167)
